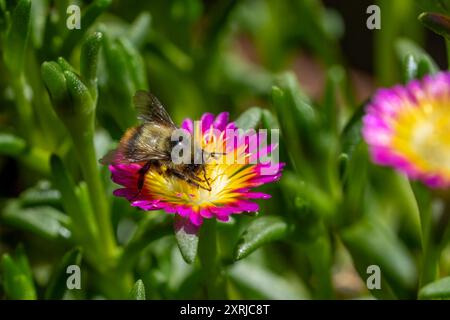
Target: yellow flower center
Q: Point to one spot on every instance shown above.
(422, 134)
(224, 179)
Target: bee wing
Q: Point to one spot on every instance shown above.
(125, 156)
(116, 156)
(112, 157)
(150, 109)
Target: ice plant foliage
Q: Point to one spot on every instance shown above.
(408, 128)
(231, 184)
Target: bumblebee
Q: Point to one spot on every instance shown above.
(150, 144)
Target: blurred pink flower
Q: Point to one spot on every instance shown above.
(408, 128)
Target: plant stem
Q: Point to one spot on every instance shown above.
(115, 284)
(24, 108)
(429, 265)
(319, 252)
(394, 15)
(430, 253)
(436, 236)
(148, 230)
(209, 260)
(52, 128)
(85, 149)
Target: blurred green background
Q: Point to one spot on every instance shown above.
(304, 66)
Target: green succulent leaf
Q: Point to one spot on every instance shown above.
(249, 119)
(439, 289)
(426, 64)
(299, 105)
(410, 68)
(90, 14)
(82, 100)
(186, 235)
(89, 61)
(269, 121)
(41, 194)
(351, 134)
(140, 29)
(254, 279)
(73, 201)
(259, 232)
(15, 146)
(335, 83)
(355, 180)
(11, 144)
(138, 291)
(436, 22)
(55, 82)
(149, 229)
(17, 36)
(45, 221)
(57, 284)
(17, 278)
(442, 6)
(372, 243)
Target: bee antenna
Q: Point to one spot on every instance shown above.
(212, 154)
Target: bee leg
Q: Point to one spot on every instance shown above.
(141, 178)
(195, 178)
(210, 155)
(214, 154)
(206, 179)
(190, 180)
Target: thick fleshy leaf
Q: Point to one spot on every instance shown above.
(438, 23)
(259, 232)
(17, 37)
(138, 291)
(372, 243)
(88, 17)
(149, 229)
(135, 63)
(269, 121)
(442, 6)
(410, 68)
(43, 220)
(15, 146)
(21, 261)
(439, 289)
(73, 203)
(249, 119)
(17, 278)
(335, 83)
(41, 194)
(186, 235)
(57, 285)
(351, 134)
(140, 29)
(80, 95)
(253, 279)
(355, 181)
(89, 61)
(119, 79)
(299, 125)
(38, 18)
(11, 144)
(426, 64)
(295, 106)
(55, 82)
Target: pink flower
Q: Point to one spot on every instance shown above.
(231, 184)
(408, 128)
